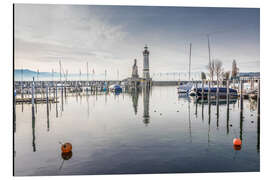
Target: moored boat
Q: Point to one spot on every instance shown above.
(115, 88)
(213, 92)
(184, 88)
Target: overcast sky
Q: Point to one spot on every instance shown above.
(111, 37)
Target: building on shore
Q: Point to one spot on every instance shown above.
(135, 81)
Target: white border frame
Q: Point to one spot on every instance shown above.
(6, 47)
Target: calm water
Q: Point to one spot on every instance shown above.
(148, 132)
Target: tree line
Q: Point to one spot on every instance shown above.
(215, 69)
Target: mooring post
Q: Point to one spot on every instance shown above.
(258, 117)
(217, 92)
(14, 105)
(56, 92)
(22, 91)
(33, 92)
(239, 83)
(47, 94)
(251, 84)
(241, 96)
(227, 92)
(202, 89)
(217, 101)
(258, 98)
(209, 90)
(53, 93)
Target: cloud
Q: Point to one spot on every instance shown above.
(49, 33)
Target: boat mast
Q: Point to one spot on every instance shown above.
(209, 52)
(209, 56)
(190, 45)
(60, 71)
(87, 71)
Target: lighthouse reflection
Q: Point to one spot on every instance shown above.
(146, 117)
(135, 94)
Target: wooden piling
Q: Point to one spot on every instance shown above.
(33, 92)
(228, 105)
(217, 92)
(258, 98)
(47, 95)
(227, 92)
(239, 83)
(209, 90)
(217, 101)
(241, 96)
(56, 93)
(202, 89)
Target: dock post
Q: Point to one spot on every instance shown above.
(209, 90)
(14, 110)
(227, 92)
(217, 93)
(22, 91)
(258, 117)
(228, 106)
(217, 101)
(241, 97)
(239, 82)
(252, 84)
(56, 93)
(33, 92)
(202, 89)
(258, 98)
(47, 94)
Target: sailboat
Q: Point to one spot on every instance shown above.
(185, 88)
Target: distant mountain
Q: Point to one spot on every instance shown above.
(29, 74)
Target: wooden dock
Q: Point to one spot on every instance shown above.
(36, 100)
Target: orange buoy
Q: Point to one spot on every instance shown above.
(67, 147)
(237, 142)
(66, 155)
(237, 148)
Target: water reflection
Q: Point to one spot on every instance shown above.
(202, 112)
(178, 130)
(33, 129)
(228, 118)
(56, 107)
(241, 124)
(189, 121)
(135, 99)
(65, 156)
(209, 120)
(146, 117)
(48, 117)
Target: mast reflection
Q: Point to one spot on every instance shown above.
(228, 118)
(189, 121)
(33, 129)
(48, 119)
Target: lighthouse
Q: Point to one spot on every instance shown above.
(146, 74)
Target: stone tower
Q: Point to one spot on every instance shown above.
(135, 70)
(146, 74)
